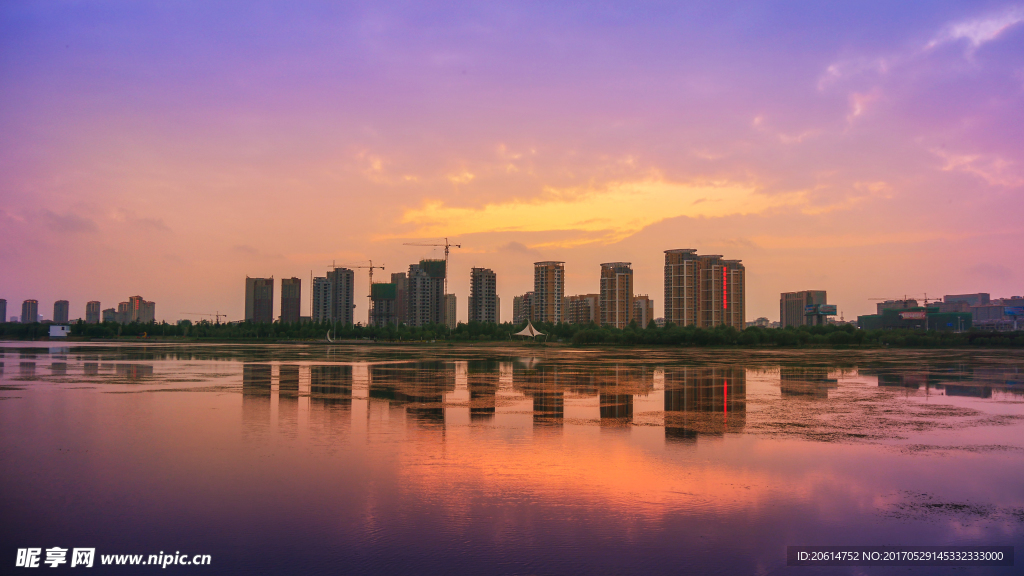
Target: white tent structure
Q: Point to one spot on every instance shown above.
(529, 331)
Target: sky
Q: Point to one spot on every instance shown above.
(870, 149)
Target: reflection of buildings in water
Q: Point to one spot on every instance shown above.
(971, 391)
(805, 381)
(704, 400)
(288, 377)
(617, 407)
(59, 368)
(548, 406)
(419, 386)
(134, 371)
(257, 407)
(330, 385)
(28, 368)
(91, 368)
(256, 377)
(955, 378)
(482, 379)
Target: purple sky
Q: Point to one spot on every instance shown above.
(170, 149)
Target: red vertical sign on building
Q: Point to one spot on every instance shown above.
(725, 287)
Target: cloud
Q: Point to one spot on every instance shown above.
(519, 247)
(615, 210)
(994, 272)
(859, 103)
(463, 177)
(67, 222)
(142, 223)
(978, 31)
(993, 169)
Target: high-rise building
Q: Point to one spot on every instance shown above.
(681, 287)
(321, 300)
(124, 313)
(643, 310)
(259, 299)
(92, 312)
(616, 294)
(141, 310)
(110, 315)
(450, 317)
(343, 306)
(136, 309)
(583, 309)
(483, 296)
(60, 312)
(401, 283)
(793, 307)
(426, 293)
(383, 304)
(548, 291)
(704, 291)
(29, 311)
(291, 299)
(522, 308)
(3, 310)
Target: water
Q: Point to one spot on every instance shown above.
(519, 460)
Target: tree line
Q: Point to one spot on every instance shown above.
(576, 334)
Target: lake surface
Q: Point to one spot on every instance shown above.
(521, 460)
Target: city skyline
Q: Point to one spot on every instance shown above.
(870, 150)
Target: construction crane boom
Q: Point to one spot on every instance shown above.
(369, 294)
(924, 296)
(447, 246)
(217, 315)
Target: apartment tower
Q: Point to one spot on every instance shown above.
(704, 290)
(450, 318)
(483, 296)
(426, 293)
(342, 287)
(29, 311)
(643, 310)
(60, 312)
(548, 291)
(291, 299)
(401, 283)
(321, 299)
(259, 299)
(92, 312)
(616, 294)
(583, 309)
(522, 308)
(3, 311)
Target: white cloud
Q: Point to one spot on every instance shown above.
(979, 30)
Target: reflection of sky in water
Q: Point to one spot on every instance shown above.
(304, 458)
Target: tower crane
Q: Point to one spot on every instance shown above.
(217, 316)
(369, 294)
(447, 246)
(924, 296)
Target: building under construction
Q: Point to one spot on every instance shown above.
(383, 304)
(426, 292)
